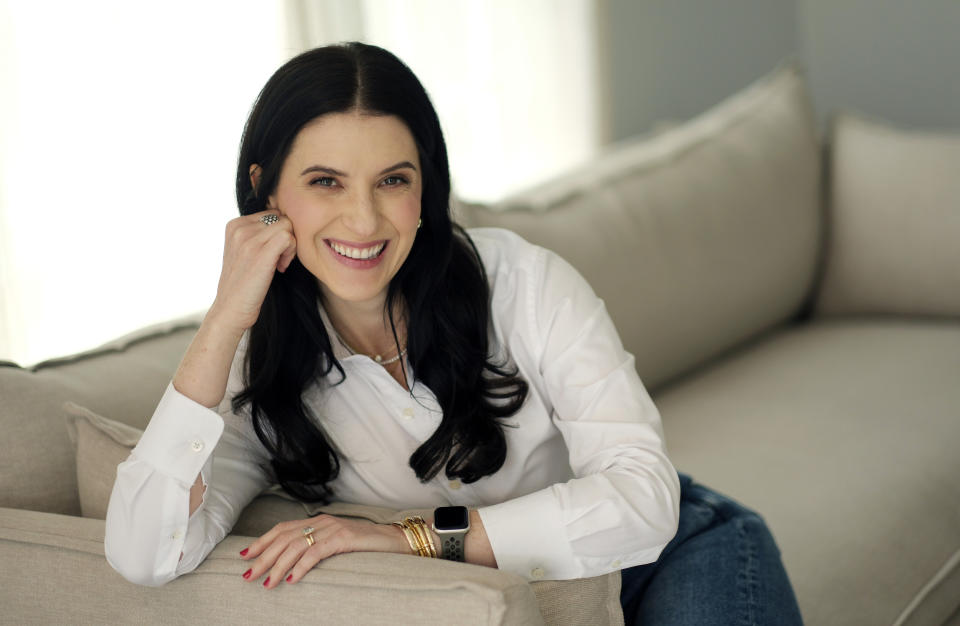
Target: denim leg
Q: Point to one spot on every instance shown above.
(722, 567)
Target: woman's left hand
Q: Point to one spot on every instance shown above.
(285, 554)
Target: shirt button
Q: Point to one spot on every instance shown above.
(455, 484)
(537, 572)
(408, 413)
(176, 534)
(616, 563)
(196, 445)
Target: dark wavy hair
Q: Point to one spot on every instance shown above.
(442, 284)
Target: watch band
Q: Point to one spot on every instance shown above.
(452, 548)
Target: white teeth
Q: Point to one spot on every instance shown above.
(357, 253)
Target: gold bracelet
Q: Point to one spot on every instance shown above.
(411, 539)
(425, 541)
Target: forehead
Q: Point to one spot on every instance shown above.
(354, 138)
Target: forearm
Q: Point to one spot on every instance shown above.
(204, 369)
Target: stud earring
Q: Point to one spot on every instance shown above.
(419, 224)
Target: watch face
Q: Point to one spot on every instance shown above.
(451, 518)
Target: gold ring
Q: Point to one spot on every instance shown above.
(308, 535)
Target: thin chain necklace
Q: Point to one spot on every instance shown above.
(376, 357)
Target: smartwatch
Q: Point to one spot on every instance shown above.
(451, 523)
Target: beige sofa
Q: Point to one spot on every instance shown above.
(796, 317)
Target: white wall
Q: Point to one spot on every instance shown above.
(892, 59)
(672, 59)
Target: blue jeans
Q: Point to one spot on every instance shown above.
(722, 567)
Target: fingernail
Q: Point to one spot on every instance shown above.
(247, 573)
(244, 551)
(290, 577)
(266, 582)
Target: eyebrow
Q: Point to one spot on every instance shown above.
(334, 172)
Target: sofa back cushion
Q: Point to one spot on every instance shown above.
(698, 237)
(122, 379)
(894, 221)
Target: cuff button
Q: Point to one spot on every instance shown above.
(537, 572)
(196, 446)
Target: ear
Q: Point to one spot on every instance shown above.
(255, 172)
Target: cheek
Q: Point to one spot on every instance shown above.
(408, 213)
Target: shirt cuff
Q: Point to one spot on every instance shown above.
(528, 538)
(180, 437)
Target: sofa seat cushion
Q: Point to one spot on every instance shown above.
(843, 434)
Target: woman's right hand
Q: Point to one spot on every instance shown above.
(252, 251)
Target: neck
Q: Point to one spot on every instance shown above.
(365, 326)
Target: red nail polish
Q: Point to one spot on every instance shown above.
(244, 551)
(247, 573)
(290, 577)
(266, 582)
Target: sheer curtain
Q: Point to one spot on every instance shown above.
(118, 139)
(515, 83)
(120, 123)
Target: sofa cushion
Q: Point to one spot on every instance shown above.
(123, 379)
(843, 434)
(697, 238)
(102, 444)
(894, 221)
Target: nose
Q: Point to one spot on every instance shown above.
(361, 215)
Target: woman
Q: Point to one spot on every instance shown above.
(362, 347)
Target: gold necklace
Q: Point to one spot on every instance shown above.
(376, 357)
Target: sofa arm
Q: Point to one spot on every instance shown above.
(55, 572)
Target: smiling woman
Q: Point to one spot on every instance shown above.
(536, 444)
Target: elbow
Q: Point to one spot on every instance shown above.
(127, 550)
(133, 571)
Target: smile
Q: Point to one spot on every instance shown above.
(360, 254)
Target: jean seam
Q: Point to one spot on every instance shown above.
(748, 580)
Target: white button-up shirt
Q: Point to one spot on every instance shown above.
(586, 487)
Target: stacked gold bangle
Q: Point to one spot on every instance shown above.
(418, 536)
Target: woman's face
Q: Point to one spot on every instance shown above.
(351, 186)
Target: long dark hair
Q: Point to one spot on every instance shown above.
(442, 285)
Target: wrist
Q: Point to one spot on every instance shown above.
(451, 525)
(219, 324)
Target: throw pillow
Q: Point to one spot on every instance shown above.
(101, 444)
(894, 221)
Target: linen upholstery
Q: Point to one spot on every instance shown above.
(62, 577)
(102, 443)
(894, 236)
(697, 238)
(843, 434)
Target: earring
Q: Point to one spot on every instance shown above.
(419, 224)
